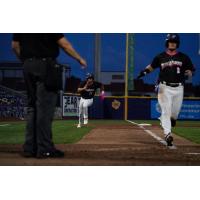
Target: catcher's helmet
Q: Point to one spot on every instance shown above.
(172, 37)
(89, 76)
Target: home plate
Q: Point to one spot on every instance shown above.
(144, 124)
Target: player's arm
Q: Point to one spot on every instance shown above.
(146, 71)
(82, 87)
(188, 73)
(68, 48)
(16, 48)
(102, 92)
(154, 64)
(16, 45)
(190, 68)
(102, 88)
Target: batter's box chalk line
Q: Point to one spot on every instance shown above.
(152, 134)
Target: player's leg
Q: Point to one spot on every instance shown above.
(165, 101)
(176, 104)
(80, 115)
(87, 103)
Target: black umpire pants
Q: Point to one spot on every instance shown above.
(41, 106)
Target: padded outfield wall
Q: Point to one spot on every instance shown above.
(138, 108)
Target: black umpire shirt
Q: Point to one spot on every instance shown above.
(38, 45)
(172, 67)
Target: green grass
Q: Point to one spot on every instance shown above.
(13, 133)
(189, 130)
(192, 133)
(64, 131)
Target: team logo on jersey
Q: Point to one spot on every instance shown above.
(116, 104)
(171, 63)
(90, 90)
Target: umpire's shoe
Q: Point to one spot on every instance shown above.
(173, 122)
(169, 139)
(51, 154)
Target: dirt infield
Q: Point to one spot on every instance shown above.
(114, 145)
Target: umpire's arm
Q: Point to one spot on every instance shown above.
(16, 48)
(68, 48)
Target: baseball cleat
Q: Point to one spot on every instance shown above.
(79, 126)
(85, 121)
(169, 139)
(173, 122)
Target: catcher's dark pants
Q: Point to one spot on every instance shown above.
(41, 106)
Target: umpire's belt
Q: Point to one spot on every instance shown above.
(171, 84)
(40, 58)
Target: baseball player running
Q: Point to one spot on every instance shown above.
(87, 90)
(175, 68)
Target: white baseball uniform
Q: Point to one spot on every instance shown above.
(171, 87)
(83, 109)
(86, 101)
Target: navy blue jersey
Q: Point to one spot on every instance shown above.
(172, 67)
(90, 91)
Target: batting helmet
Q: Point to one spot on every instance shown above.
(172, 37)
(89, 76)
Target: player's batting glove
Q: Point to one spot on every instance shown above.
(102, 95)
(142, 73)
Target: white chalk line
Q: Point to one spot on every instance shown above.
(4, 124)
(192, 153)
(159, 139)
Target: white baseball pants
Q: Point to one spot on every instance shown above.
(170, 100)
(83, 108)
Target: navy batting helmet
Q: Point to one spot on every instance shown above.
(172, 37)
(89, 76)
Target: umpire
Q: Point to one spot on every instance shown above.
(38, 52)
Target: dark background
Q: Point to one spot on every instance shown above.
(147, 45)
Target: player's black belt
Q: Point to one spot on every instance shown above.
(171, 84)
